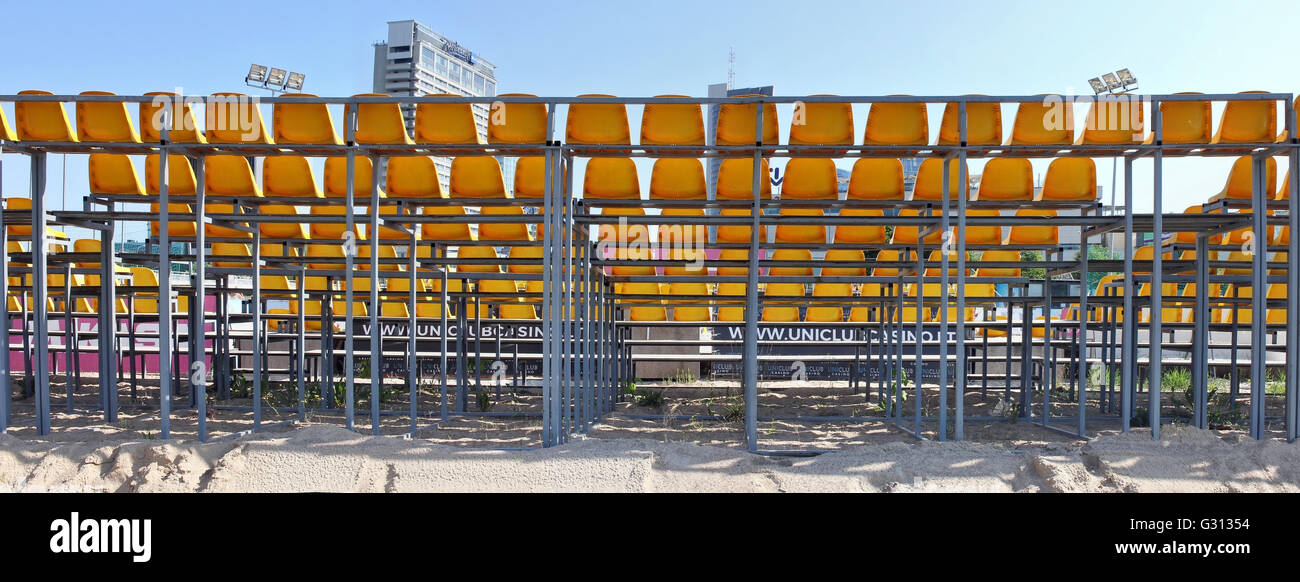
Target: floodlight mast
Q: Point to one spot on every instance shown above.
(1117, 83)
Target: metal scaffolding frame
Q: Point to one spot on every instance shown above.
(585, 350)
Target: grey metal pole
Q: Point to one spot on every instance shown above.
(108, 328)
(197, 327)
(1156, 354)
(41, 359)
(376, 333)
(1127, 343)
(919, 293)
(1293, 277)
(1201, 332)
(945, 226)
(1259, 288)
(440, 251)
(959, 431)
(349, 263)
(412, 362)
(302, 345)
(1081, 371)
(258, 372)
(6, 382)
(164, 286)
(750, 385)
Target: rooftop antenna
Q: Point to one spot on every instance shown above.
(731, 67)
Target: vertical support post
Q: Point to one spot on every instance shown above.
(108, 327)
(1259, 292)
(40, 322)
(258, 349)
(959, 430)
(1082, 368)
(1156, 354)
(1292, 274)
(376, 332)
(302, 345)
(1201, 333)
(945, 236)
(439, 251)
(412, 361)
(750, 385)
(349, 263)
(1128, 341)
(6, 382)
(197, 329)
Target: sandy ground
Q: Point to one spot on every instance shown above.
(632, 451)
(328, 458)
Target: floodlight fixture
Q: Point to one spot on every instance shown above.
(1112, 83)
(1126, 79)
(276, 78)
(256, 74)
(295, 81)
(1097, 86)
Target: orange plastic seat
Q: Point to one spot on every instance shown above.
(907, 235)
(104, 122)
(1240, 179)
(929, 181)
(235, 118)
(1043, 123)
(999, 256)
(643, 309)
(303, 123)
(227, 175)
(183, 127)
(1007, 179)
(822, 124)
(735, 124)
(778, 311)
(1113, 120)
(1247, 121)
(222, 249)
(597, 123)
(180, 182)
(896, 124)
(1023, 234)
(829, 310)
(335, 230)
(807, 179)
(114, 174)
(42, 120)
(1070, 179)
(1184, 121)
(282, 230)
(690, 312)
(521, 123)
(336, 178)
(412, 177)
(672, 124)
(449, 123)
(735, 182)
(871, 179)
(480, 177)
(379, 123)
(983, 234)
(983, 124)
(289, 176)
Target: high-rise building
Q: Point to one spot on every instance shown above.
(417, 61)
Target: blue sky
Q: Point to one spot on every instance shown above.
(648, 48)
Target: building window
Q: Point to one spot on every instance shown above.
(398, 49)
(442, 65)
(491, 89)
